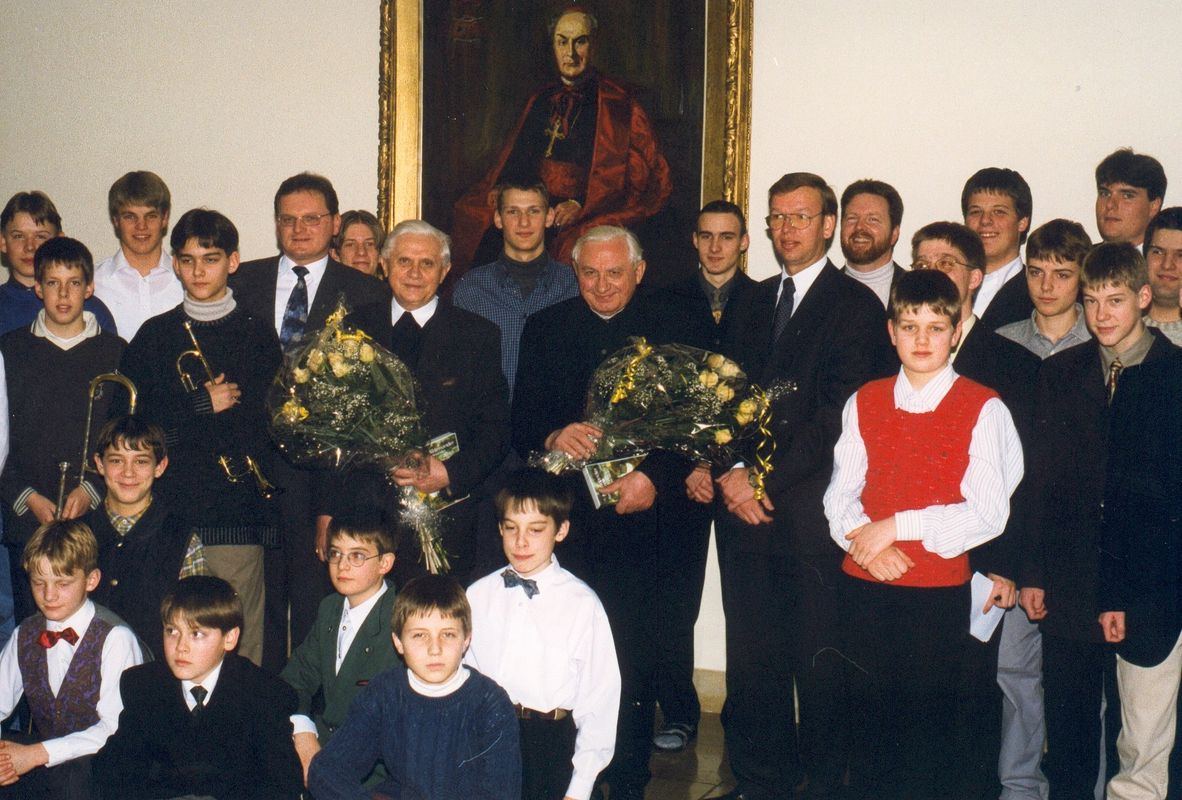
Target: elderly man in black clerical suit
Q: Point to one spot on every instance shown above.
(298, 289)
(456, 357)
(613, 548)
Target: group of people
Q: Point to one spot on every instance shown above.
(964, 437)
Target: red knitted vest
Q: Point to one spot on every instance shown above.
(915, 461)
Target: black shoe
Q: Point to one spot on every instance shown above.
(674, 737)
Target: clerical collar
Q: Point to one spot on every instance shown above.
(449, 686)
(422, 314)
(210, 310)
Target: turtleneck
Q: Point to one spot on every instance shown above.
(211, 310)
(438, 689)
(525, 273)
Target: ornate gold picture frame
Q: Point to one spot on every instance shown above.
(726, 140)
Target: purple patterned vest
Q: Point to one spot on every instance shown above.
(76, 706)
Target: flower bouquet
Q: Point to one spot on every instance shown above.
(341, 400)
(671, 397)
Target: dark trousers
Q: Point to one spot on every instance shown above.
(546, 750)
(683, 539)
(906, 645)
(1077, 677)
(978, 717)
(69, 780)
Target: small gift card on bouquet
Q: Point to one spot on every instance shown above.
(603, 473)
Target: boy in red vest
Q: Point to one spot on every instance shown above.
(922, 473)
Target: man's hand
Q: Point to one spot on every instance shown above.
(740, 497)
(637, 492)
(1033, 602)
(890, 565)
(699, 486)
(1003, 593)
(306, 746)
(222, 395)
(41, 507)
(870, 540)
(578, 440)
(77, 503)
(322, 521)
(432, 479)
(566, 212)
(18, 759)
(1113, 625)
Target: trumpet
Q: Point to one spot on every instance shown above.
(93, 392)
(250, 465)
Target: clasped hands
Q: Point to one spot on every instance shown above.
(579, 440)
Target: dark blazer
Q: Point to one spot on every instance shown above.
(835, 342)
(1012, 303)
(254, 287)
(1068, 454)
(464, 392)
(325, 694)
(238, 748)
(1140, 546)
(682, 314)
(1011, 370)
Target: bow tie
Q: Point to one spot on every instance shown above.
(511, 578)
(49, 638)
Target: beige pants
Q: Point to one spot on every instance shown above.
(242, 566)
(1148, 712)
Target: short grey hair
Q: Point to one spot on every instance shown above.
(418, 226)
(609, 233)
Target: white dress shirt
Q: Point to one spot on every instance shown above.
(994, 470)
(286, 280)
(209, 684)
(134, 298)
(120, 651)
(554, 650)
(801, 281)
(991, 284)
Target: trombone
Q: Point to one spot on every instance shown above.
(96, 384)
(250, 466)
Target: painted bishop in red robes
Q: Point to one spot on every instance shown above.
(587, 139)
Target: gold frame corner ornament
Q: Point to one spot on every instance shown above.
(726, 122)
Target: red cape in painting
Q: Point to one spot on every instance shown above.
(628, 180)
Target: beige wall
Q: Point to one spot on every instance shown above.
(225, 99)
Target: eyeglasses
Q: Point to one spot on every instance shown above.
(943, 263)
(795, 221)
(355, 557)
(309, 220)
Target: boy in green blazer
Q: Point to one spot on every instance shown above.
(350, 642)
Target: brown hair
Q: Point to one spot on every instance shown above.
(428, 593)
(205, 601)
(68, 545)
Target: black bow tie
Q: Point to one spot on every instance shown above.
(511, 578)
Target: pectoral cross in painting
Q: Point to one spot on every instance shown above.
(556, 131)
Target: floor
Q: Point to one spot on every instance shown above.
(698, 771)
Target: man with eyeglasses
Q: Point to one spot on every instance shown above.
(871, 213)
(1010, 370)
(819, 335)
(298, 289)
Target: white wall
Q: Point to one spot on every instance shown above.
(222, 99)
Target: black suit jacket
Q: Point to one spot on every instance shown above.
(1141, 530)
(835, 342)
(1012, 303)
(254, 287)
(237, 748)
(681, 313)
(1011, 370)
(1068, 454)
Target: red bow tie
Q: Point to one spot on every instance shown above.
(48, 638)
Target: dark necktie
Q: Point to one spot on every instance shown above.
(295, 316)
(783, 308)
(407, 334)
(716, 305)
(529, 586)
(48, 638)
(1114, 371)
(199, 694)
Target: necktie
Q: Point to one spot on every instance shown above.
(295, 316)
(783, 308)
(199, 694)
(406, 339)
(529, 586)
(49, 638)
(1114, 371)
(716, 305)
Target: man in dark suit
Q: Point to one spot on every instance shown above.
(820, 335)
(871, 213)
(997, 204)
(1010, 370)
(696, 311)
(298, 289)
(614, 549)
(456, 357)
